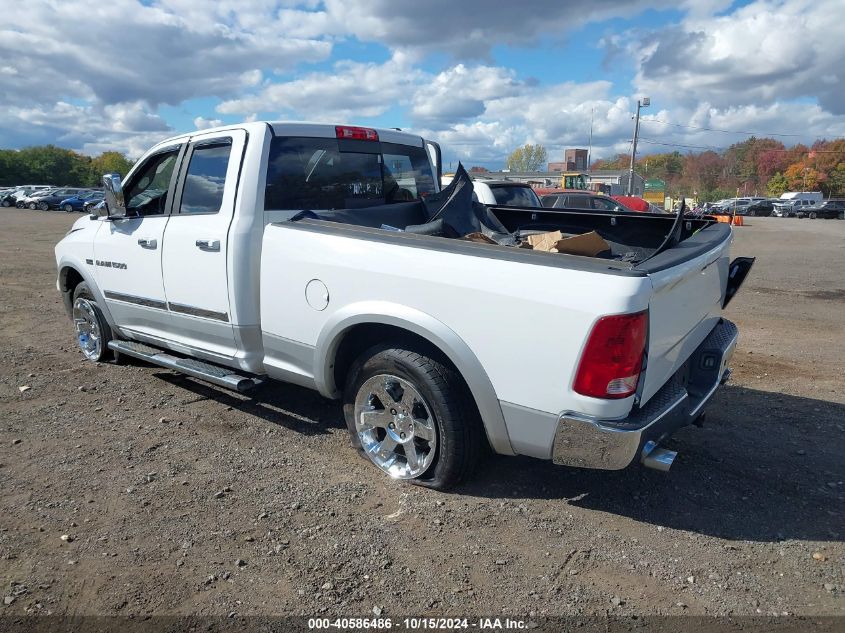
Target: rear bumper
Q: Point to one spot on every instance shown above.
(587, 442)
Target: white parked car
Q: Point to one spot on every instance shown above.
(293, 252)
(504, 193)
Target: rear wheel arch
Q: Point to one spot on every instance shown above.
(344, 339)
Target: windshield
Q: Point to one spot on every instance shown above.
(515, 196)
(324, 173)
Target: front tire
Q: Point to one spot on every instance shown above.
(411, 415)
(68, 208)
(92, 331)
(813, 215)
(44, 206)
(6, 203)
(32, 206)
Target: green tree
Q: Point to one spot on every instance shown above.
(48, 164)
(836, 180)
(110, 163)
(777, 185)
(620, 161)
(527, 158)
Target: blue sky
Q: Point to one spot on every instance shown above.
(479, 78)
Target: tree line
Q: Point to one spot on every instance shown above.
(51, 165)
(757, 166)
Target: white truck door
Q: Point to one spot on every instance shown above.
(127, 251)
(196, 241)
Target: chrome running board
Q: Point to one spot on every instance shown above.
(215, 374)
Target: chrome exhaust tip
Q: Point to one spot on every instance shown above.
(657, 458)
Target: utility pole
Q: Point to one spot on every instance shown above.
(644, 103)
(590, 147)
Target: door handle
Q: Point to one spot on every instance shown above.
(145, 243)
(208, 245)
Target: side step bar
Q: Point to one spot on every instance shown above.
(220, 376)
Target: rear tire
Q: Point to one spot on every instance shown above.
(410, 414)
(43, 206)
(92, 331)
(32, 206)
(813, 215)
(6, 203)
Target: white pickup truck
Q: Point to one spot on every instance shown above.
(328, 256)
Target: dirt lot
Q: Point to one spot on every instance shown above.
(181, 498)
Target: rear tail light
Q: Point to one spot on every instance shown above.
(356, 133)
(611, 362)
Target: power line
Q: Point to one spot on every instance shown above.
(713, 129)
(652, 142)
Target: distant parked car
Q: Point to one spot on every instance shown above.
(635, 203)
(504, 193)
(77, 202)
(829, 210)
(799, 208)
(31, 199)
(734, 206)
(6, 197)
(11, 199)
(583, 201)
(89, 205)
(761, 208)
(51, 199)
(783, 209)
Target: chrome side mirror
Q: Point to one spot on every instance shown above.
(115, 204)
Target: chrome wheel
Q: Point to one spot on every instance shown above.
(395, 426)
(88, 333)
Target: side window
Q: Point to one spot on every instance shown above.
(146, 193)
(206, 178)
(602, 204)
(549, 201)
(578, 202)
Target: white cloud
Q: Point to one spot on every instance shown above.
(201, 123)
(459, 93)
(470, 28)
(766, 66)
(762, 53)
(91, 128)
(352, 90)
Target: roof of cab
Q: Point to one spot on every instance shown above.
(302, 128)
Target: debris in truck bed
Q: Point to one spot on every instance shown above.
(587, 244)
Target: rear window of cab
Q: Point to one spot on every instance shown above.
(306, 173)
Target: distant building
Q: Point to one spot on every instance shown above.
(617, 180)
(573, 160)
(577, 158)
(611, 181)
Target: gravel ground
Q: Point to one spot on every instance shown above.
(130, 490)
